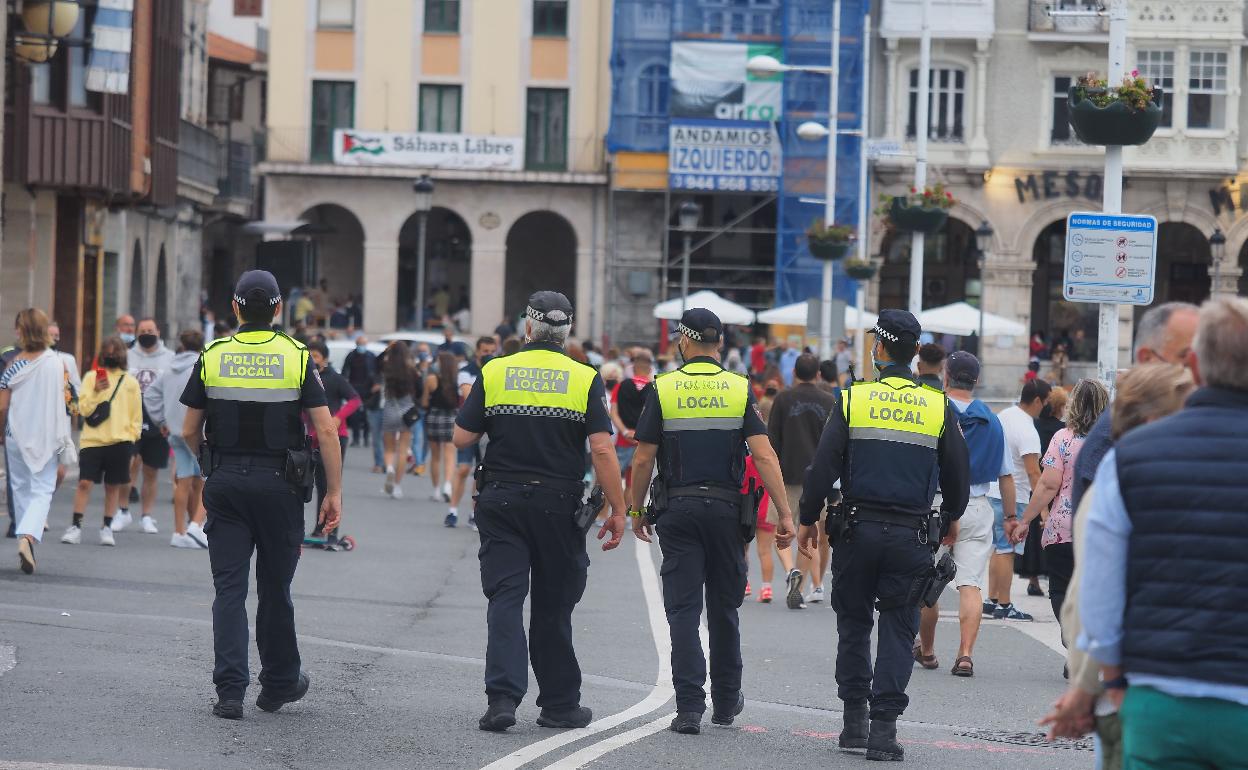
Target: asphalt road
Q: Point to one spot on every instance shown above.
(106, 661)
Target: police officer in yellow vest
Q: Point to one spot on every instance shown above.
(698, 421)
(890, 444)
(538, 407)
(252, 389)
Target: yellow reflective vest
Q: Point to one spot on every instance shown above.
(543, 383)
(702, 396)
(254, 367)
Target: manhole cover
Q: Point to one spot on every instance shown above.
(1029, 739)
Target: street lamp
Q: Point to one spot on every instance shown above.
(46, 22)
(423, 187)
(1217, 249)
(983, 242)
(686, 221)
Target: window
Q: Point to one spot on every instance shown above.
(1157, 67)
(335, 14)
(439, 109)
(225, 99)
(550, 18)
(1206, 89)
(653, 88)
(333, 106)
(252, 8)
(945, 105)
(76, 60)
(546, 130)
(442, 15)
(1061, 132)
(41, 83)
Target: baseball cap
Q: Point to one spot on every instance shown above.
(962, 366)
(257, 286)
(549, 307)
(701, 325)
(897, 326)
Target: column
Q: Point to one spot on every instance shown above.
(1007, 280)
(894, 101)
(381, 269)
(487, 293)
(979, 135)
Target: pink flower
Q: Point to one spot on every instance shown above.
(1135, 73)
(913, 190)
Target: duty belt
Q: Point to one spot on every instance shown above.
(713, 492)
(909, 520)
(533, 479)
(252, 461)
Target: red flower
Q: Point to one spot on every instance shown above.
(913, 190)
(949, 195)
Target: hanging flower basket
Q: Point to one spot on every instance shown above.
(829, 243)
(912, 218)
(1125, 115)
(859, 269)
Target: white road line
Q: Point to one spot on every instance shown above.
(8, 658)
(661, 692)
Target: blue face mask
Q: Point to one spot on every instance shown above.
(127, 338)
(881, 365)
(361, 349)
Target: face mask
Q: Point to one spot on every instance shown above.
(881, 365)
(769, 392)
(127, 337)
(110, 363)
(361, 349)
(54, 344)
(148, 340)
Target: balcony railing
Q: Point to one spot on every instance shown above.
(235, 173)
(1041, 20)
(947, 18)
(199, 155)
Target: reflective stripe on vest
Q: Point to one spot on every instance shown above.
(537, 383)
(895, 409)
(702, 396)
(257, 366)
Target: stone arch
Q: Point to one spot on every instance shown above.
(448, 267)
(949, 262)
(336, 239)
(1041, 218)
(161, 298)
(136, 300)
(1184, 263)
(541, 254)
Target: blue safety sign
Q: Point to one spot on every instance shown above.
(1110, 258)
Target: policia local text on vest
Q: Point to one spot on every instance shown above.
(251, 390)
(538, 407)
(697, 422)
(890, 444)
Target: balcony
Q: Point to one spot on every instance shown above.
(1042, 24)
(1203, 20)
(199, 158)
(948, 19)
(234, 181)
(1207, 152)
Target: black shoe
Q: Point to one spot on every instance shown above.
(687, 723)
(882, 745)
(1034, 590)
(725, 716)
(268, 702)
(499, 716)
(228, 709)
(579, 716)
(854, 733)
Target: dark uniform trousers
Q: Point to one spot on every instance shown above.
(253, 508)
(880, 561)
(702, 547)
(528, 534)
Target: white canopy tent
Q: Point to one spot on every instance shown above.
(729, 312)
(962, 320)
(795, 315)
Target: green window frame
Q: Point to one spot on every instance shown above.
(550, 18)
(546, 130)
(333, 107)
(442, 15)
(440, 108)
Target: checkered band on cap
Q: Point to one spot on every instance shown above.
(885, 334)
(552, 317)
(690, 333)
(242, 301)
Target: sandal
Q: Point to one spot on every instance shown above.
(928, 662)
(963, 667)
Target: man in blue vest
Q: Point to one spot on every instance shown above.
(1160, 601)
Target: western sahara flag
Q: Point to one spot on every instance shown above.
(108, 71)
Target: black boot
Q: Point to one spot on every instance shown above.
(686, 723)
(724, 716)
(268, 701)
(228, 708)
(499, 716)
(883, 745)
(578, 716)
(854, 733)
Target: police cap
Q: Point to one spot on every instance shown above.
(257, 287)
(549, 307)
(701, 325)
(897, 326)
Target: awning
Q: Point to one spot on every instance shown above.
(962, 319)
(795, 315)
(729, 312)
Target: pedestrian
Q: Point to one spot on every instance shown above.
(888, 469)
(788, 358)
(627, 400)
(1087, 401)
(252, 389)
(360, 370)
(124, 327)
(700, 440)
(35, 428)
(529, 492)
(440, 400)
(844, 361)
(148, 359)
(1059, 361)
(1143, 394)
(420, 445)
(1165, 534)
(764, 536)
(1023, 443)
(165, 408)
(342, 402)
(829, 381)
(794, 426)
(400, 389)
(931, 365)
(972, 548)
(771, 389)
(74, 383)
(466, 459)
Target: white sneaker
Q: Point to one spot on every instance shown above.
(397, 493)
(183, 541)
(446, 491)
(388, 487)
(122, 520)
(196, 533)
(73, 535)
(106, 536)
(149, 525)
(816, 596)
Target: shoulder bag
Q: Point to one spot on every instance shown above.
(102, 411)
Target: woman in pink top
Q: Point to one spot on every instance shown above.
(1087, 401)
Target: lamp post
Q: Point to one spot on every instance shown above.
(686, 221)
(423, 187)
(918, 241)
(1217, 250)
(983, 242)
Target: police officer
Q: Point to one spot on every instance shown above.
(538, 406)
(890, 444)
(698, 421)
(252, 389)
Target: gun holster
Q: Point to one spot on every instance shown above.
(589, 510)
(207, 459)
(478, 478)
(300, 469)
(932, 585)
(750, 500)
(836, 525)
(658, 500)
